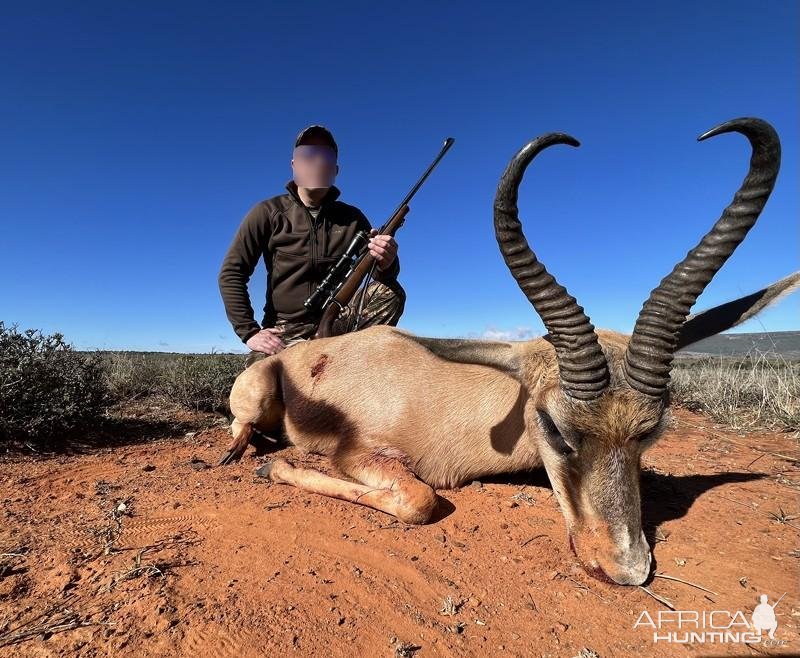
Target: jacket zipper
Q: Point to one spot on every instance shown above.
(313, 244)
(313, 239)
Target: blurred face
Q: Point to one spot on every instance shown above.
(314, 164)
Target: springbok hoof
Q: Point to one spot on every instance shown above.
(265, 471)
(229, 457)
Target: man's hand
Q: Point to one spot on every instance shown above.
(383, 248)
(266, 341)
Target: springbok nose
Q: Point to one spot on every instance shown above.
(632, 569)
(636, 568)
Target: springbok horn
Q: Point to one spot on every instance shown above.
(582, 366)
(655, 336)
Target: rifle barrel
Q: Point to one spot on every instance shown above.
(447, 144)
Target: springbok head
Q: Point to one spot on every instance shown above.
(602, 399)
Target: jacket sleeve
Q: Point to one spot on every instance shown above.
(237, 267)
(391, 273)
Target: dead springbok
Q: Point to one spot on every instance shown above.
(404, 415)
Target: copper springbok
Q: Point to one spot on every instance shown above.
(404, 415)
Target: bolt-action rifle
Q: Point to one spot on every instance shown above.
(345, 276)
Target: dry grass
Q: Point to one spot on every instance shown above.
(201, 382)
(757, 391)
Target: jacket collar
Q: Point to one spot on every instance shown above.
(332, 195)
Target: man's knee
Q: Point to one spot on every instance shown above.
(401, 303)
(400, 292)
(389, 304)
(383, 304)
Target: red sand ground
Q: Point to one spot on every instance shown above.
(237, 566)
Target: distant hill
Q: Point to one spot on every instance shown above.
(783, 343)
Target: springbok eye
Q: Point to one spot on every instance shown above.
(553, 436)
(558, 444)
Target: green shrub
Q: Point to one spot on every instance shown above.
(46, 387)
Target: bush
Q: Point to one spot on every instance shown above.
(46, 387)
(202, 382)
(131, 375)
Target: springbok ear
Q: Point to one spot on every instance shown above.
(720, 318)
(502, 355)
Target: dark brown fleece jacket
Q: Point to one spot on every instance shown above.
(297, 251)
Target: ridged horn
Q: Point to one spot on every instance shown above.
(655, 336)
(582, 366)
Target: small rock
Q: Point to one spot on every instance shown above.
(148, 467)
(162, 625)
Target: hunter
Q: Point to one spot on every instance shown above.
(299, 235)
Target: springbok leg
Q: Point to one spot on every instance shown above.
(388, 486)
(242, 432)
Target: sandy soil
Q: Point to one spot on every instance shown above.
(139, 549)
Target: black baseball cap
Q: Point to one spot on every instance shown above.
(317, 130)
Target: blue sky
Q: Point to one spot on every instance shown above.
(135, 138)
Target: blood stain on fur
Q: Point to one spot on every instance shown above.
(319, 366)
